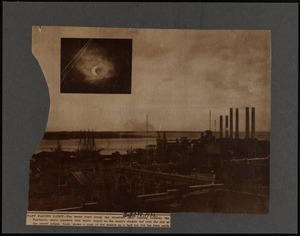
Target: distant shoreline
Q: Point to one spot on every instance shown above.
(96, 135)
(54, 135)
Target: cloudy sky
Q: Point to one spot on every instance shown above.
(178, 76)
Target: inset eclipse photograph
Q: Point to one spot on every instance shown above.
(96, 66)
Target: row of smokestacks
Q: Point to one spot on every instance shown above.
(229, 124)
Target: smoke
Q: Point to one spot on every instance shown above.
(135, 125)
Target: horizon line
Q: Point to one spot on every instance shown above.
(127, 131)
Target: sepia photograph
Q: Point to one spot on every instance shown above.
(153, 121)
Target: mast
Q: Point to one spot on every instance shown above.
(209, 119)
(147, 127)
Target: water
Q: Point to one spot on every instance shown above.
(122, 145)
(109, 145)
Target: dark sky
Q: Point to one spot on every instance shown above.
(96, 66)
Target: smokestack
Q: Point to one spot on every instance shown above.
(221, 126)
(247, 123)
(231, 123)
(253, 122)
(237, 123)
(215, 122)
(226, 126)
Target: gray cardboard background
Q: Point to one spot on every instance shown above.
(26, 101)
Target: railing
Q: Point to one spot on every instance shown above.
(194, 190)
(77, 208)
(198, 177)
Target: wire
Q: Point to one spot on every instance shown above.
(72, 63)
(76, 56)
